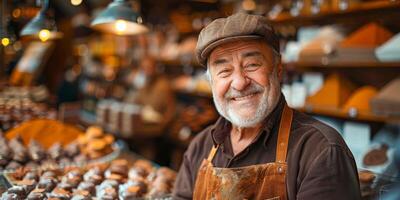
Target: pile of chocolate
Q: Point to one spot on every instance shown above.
(95, 143)
(92, 145)
(113, 181)
(16, 111)
(14, 155)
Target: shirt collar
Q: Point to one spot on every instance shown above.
(222, 127)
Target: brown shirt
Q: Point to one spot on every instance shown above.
(320, 165)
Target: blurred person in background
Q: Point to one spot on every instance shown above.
(155, 95)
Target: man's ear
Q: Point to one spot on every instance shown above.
(280, 70)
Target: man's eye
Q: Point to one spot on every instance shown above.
(223, 73)
(252, 66)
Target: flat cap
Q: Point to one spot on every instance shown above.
(238, 26)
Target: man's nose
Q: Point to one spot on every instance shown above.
(240, 81)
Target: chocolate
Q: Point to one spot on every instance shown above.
(157, 192)
(10, 196)
(72, 149)
(94, 132)
(144, 164)
(13, 165)
(81, 195)
(48, 184)
(18, 190)
(49, 174)
(88, 186)
(166, 173)
(115, 177)
(376, 157)
(109, 139)
(137, 172)
(3, 161)
(93, 178)
(36, 151)
(64, 161)
(109, 183)
(72, 181)
(141, 185)
(118, 169)
(20, 154)
(37, 194)
(60, 194)
(131, 193)
(56, 151)
(31, 165)
(5, 151)
(66, 186)
(75, 173)
(31, 175)
(27, 185)
(80, 158)
(108, 194)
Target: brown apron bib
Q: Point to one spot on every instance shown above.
(262, 181)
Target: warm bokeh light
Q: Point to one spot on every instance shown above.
(16, 13)
(76, 2)
(249, 5)
(44, 35)
(5, 41)
(120, 26)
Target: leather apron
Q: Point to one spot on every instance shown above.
(261, 181)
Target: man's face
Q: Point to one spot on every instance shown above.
(244, 81)
(148, 66)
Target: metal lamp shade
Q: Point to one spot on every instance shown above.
(38, 23)
(119, 11)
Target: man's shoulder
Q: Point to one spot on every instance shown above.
(316, 132)
(201, 143)
(203, 138)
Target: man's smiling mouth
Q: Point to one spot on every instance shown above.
(246, 97)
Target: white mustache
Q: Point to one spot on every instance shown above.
(253, 88)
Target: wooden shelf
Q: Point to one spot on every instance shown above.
(369, 10)
(355, 64)
(175, 63)
(193, 93)
(341, 114)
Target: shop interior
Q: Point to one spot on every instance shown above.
(75, 96)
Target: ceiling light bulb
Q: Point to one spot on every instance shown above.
(120, 26)
(44, 35)
(5, 41)
(76, 2)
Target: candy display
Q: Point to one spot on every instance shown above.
(94, 144)
(116, 180)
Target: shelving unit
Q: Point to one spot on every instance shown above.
(367, 10)
(342, 114)
(351, 65)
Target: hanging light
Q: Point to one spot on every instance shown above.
(119, 18)
(5, 37)
(5, 41)
(41, 27)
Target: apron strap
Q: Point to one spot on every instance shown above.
(283, 134)
(212, 153)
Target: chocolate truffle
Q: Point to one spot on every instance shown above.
(48, 184)
(88, 186)
(81, 195)
(60, 193)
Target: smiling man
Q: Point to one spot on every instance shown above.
(259, 148)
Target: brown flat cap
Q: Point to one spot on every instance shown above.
(234, 27)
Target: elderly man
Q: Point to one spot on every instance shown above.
(260, 148)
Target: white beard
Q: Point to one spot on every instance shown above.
(263, 109)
